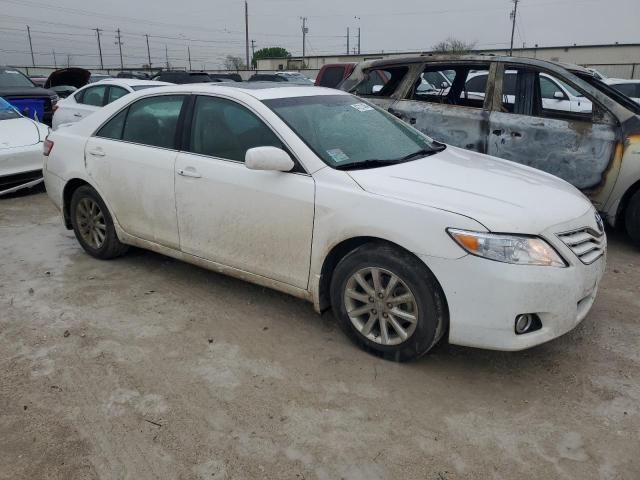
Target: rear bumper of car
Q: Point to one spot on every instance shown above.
(485, 297)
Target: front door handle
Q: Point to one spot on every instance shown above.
(188, 172)
(96, 153)
(516, 134)
(497, 132)
(395, 112)
(78, 115)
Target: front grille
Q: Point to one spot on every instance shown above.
(587, 244)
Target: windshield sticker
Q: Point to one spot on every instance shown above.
(338, 155)
(362, 107)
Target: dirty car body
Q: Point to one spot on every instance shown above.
(521, 114)
(21, 141)
(309, 190)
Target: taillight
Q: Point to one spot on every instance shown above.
(47, 146)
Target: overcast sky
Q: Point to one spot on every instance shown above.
(215, 28)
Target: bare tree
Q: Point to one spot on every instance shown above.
(454, 46)
(232, 62)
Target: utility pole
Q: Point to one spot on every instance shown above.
(358, 40)
(246, 31)
(253, 52)
(166, 54)
(189, 55)
(348, 38)
(33, 60)
(148, 50)
(55, 62)
(305, 30)
(99, 48)
(119, 43)
(514, 16)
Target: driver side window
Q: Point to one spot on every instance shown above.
(224, 129)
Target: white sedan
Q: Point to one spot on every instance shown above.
(318, 194)
(96, 95)
(630, 88)
(20, 149)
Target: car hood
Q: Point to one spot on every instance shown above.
(18, 132)
(75, 77)
(503, 196)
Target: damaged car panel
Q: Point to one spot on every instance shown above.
(553, 117)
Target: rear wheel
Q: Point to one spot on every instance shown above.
(388, 302)
(93, 225)
(632, 218)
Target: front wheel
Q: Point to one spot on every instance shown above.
(93, 225)
(632, 218)
(388, 302)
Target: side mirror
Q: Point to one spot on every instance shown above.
(444, 85)
(268, 159)
(558, 95)
(376, 89)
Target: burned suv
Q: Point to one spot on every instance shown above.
(553, 117)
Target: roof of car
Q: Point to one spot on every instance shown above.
(258, 90)
(620, 81)
(129, 82)
(472, 58)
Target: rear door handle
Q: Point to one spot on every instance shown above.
(188, 172)
(395, 112)
(97, 153)
(79, 115)
(516, 134)
(497, 132)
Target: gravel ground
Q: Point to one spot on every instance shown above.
(149, 368)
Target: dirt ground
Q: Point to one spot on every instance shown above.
(149, 368)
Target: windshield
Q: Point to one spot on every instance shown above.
(200, 77)
(13, 78)
(344, 131)
(7, 112)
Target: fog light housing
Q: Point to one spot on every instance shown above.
(527, 322)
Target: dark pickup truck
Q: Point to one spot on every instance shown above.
(32, 101)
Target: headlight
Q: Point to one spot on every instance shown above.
(514, 249)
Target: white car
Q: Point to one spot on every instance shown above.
(317, 193)
(94, 96)
(556, 95)
(630, 88)
(20, 149)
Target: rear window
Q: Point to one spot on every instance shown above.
(628, 89)
(199, 77)
(13, 78)
(332, 76)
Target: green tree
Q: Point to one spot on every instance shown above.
(269, 52)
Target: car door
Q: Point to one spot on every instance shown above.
(444, 109)
(575, 146)
(256, 221)
(131, 159)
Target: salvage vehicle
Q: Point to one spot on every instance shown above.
(595, 147)
(630, 88)
(321, 195)
(21, 140)
(94, 96)
(31, 101)
(65, 81)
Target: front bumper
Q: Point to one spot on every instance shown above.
(20, 167)
(484, 297)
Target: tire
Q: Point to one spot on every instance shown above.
(93, 225)
(414, 279)
(632, 218)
